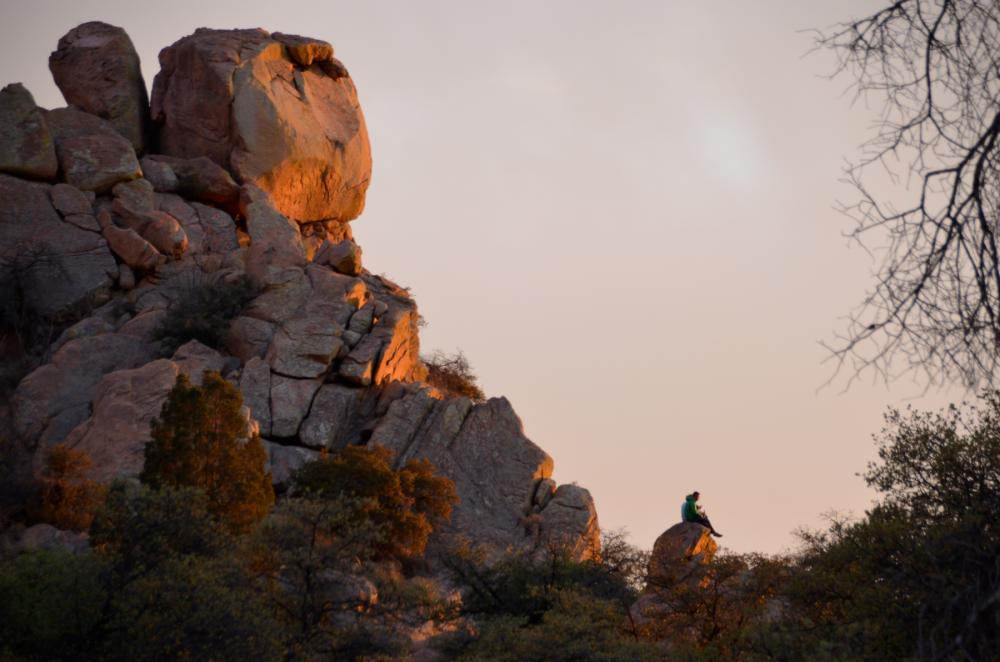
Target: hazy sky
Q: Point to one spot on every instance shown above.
(621, 211)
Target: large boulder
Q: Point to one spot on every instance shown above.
(134, 251)
(196, 179)
(496, 470)
(569, 521)
(26, 147)
(55, 264)
(97, 70)
(679, 554)
(279, 111)
(159, 228)
(92, 155)
(124, 404)
(56, 397)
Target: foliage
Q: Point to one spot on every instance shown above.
(67, 497)
(548, 606)
(623, 559)
(452, 375)
(50, 602)
(142, 526)
(203, 311)
(202, 440)
(918, 575)
(577, 626)
(720, 611)
(935, 308)
(526, 585)
(311, 554)
(406, 503)
(162, 582)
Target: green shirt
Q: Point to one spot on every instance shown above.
(689, 511)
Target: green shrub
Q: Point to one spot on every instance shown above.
(201, 440)
(405, 503)
(203, 311)
(452, 375)
(917, 576)
(577, 626)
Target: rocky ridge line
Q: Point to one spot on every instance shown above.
(250, 164)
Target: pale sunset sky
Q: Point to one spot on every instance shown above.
(622, 212)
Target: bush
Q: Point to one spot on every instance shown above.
(917, 576)
(50, 604)
(578, 626)
(203, 311)
(202, 440)
(527, 586)
(67, 498)
(452, 375)
(142, 527)
(405, 504)
(551, 607)
(162, 581)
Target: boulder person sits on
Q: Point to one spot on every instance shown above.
(692, 512)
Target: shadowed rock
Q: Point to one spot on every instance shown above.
(92, 155)
(26, 147)
(57, 264)
(97, 70)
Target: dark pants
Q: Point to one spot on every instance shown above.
(703, 521)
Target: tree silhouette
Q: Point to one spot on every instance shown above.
(202, 440)
(934, 312)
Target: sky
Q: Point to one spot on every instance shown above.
(623, 213)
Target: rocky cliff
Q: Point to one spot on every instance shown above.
(246, 166)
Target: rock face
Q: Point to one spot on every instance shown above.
(26, 147)
(92, 155)
(97, 70)
(325, 353)
(277, 110)
(496, 469)
(55, 263)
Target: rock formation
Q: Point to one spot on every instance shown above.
(679, 553)
(97, 70)
(277, 110)
(678, 563)
(26, 147)
(265, 160)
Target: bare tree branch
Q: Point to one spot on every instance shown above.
(934, 312)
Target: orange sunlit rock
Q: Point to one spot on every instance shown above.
(277, 110)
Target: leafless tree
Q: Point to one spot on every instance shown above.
(934, 311)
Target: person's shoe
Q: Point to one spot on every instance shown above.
(716, 534)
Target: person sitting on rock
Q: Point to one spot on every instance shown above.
(692, 512)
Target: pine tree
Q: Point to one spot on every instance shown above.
(202, 440)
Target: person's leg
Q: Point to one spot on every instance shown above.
(704, 522)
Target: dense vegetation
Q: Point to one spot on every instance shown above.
(202, 440)
(340, 567)
(404, 504)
